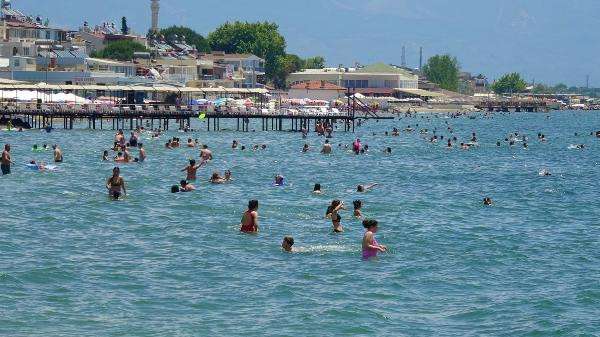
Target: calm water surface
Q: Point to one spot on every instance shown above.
(73, 263)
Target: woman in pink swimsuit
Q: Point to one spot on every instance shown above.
(370, 246)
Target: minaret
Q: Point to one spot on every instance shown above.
(155, 8)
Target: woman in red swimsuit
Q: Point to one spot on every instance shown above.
(250, 218)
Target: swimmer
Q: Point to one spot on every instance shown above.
(105, 156)
(287, 243)
(279, 180)
(133, 140)
(326, 148)
(525, 146)
(205, 153)
(243, 148)
(190, 143)
(388, 151)
(263, 147)
(118, 157)
(35, 148)
(58, 157)
(336, 219)
(356, 145)
(40, 165)
(545, 173)
(317, 189)
(126, 156)
(255, 148)
(234, 145)
(191, 169)
(364, 188)
(249, 222)
(370, 246)
(142, 153)
(305, 148)
(116, 183)
(487, 201)
(357, 208)
(186, 187)
(227, 176)
(216, 178)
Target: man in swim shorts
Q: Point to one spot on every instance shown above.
(5, 162)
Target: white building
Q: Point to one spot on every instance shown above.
(375, 80)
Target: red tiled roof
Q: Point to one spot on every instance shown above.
(20, 24)
(317, 85)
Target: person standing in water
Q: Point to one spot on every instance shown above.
(205, 153)
(336, 219)
(116, 183)
(6, 161)
(250, 218)
(370, 246)
(142, 153)
(326, 148)
(58, 158)
(191, 169)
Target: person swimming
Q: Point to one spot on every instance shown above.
(279, 180)
(186, 187)
(305, 148)
(115, 184)
(317, 189)
(487, 201)
(287, 243)
(216, 178)
(364, 188)
(370, 246)
(142, 153)
(105, 156)
(249, 221)
(336, 219)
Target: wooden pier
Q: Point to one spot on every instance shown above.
(153, 116)
(513, 105)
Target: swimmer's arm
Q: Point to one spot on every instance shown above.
(368, 187)
(255, 220)
(108, 183)
(184, 169)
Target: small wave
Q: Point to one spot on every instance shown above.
(325, 249)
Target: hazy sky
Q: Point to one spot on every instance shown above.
(550, 41)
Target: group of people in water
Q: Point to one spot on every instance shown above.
(249, 222)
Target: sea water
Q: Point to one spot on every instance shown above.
(74, 263)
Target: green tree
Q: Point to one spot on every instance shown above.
(119, 50)
(443, 71)
(191, 37)
(317, 62)
(261, 39)
(510, 83)
(124, 27)
(286, 65)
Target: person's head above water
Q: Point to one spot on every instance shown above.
(317, 188)
(174, 189)
(116, 171)
(371, 225)
(357, 204)
(287, 243)
(253, 205)
(192, 162)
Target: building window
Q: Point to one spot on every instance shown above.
(17, 63)
(47, 35)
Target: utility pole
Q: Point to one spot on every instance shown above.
(421, 59)
(587, 81)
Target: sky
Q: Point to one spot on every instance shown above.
(548, 41)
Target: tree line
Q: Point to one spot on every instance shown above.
(262, 39)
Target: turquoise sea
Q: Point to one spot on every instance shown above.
(73, 263)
